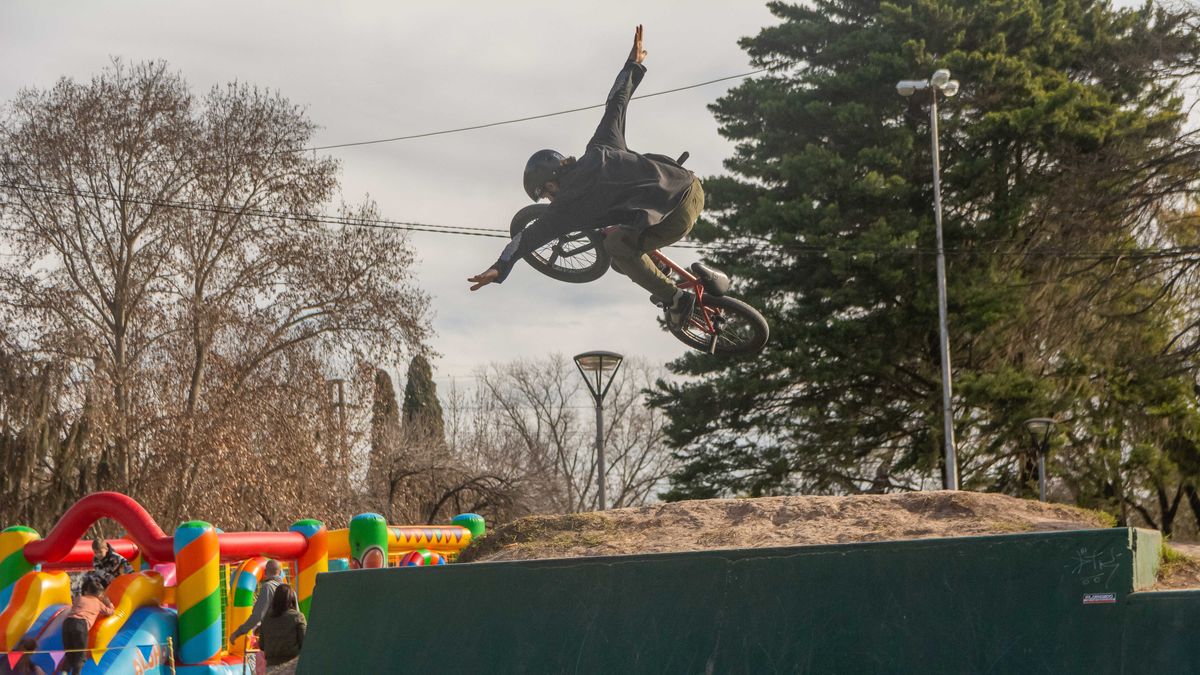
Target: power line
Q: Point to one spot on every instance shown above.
(456, 130)
(745, 247)
(522, 119)
(350, 221)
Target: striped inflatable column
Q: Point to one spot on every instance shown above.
(198, 598)
(368, 541)
(313, 561)
(13, 564)
(245, 585)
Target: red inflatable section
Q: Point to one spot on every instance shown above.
(65, 536)
(81, 555)
(242, 545)
(62, 546)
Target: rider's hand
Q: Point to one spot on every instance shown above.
(637, 53)
(484, 278)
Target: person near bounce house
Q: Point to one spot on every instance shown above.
(107, 564)
(272, 579)
(90, 605)
(281, 633)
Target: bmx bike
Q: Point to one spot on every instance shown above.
(719, 324)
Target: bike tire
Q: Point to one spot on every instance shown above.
(751, 328)
(576, 258)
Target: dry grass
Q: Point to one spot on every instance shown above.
(1179, 567)
(775, 521)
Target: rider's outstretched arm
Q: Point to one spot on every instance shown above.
(611, 131)
(548, 227)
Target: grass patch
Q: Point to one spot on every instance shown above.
(1170, 560)
(1010, 526)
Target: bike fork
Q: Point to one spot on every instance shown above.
(712, 344)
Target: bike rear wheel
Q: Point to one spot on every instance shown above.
(576, 258)
(741, 330)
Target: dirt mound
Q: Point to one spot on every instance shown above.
(775, 521)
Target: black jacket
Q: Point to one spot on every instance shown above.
(609, 184)
(281, 637)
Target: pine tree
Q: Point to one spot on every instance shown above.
(1068, 138)
(385, 422)
(422, 410)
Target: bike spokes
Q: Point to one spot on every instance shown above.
(573, 252)
(718, 330)
(582, 244)
(577, 257)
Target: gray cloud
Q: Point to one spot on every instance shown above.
(379, 69)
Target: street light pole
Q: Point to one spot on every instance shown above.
(601, 469)
(940, 82)
(1039, 432)
(951, 482)
(599, 370)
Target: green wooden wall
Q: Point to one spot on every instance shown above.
(1057, 602)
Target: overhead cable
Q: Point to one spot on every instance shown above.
(745, 246)
(521, 119)
(473, 127)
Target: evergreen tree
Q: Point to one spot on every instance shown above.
(385, 422)
(1059, 157)
(422, 410)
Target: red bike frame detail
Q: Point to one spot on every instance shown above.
(689, 282)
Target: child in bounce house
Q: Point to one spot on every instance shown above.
(90, 605)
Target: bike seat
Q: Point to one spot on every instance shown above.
(715, 281)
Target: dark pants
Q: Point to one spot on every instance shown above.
(628, 247)
(74, 636)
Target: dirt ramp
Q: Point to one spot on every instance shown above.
(775, 521)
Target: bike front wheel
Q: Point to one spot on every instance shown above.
(737, 328)
(576, 258)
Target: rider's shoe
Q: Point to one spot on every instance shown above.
(680, 309)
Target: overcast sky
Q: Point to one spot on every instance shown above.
(369, 70)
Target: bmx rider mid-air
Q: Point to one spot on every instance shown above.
(644, 201)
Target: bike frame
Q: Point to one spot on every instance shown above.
(688, 282)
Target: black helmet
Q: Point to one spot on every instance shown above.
(543, 166)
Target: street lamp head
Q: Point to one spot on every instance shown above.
(599, 369)
(1039, 430)
(940, 78)
(598, 360)
(910, 87)
(950, 89)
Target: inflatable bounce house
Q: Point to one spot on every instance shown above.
(193, 588)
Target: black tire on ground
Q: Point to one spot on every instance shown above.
(744, 330)
(576, 258)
